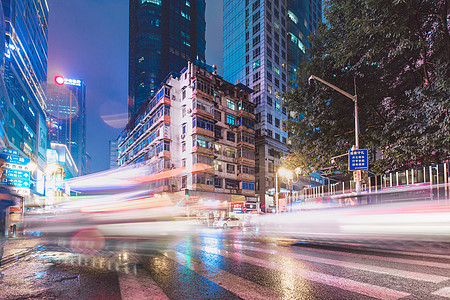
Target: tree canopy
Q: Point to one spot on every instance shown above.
(398, 53)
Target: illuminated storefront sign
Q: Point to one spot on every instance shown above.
(61, 80)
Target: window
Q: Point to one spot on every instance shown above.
(269, 133)
(202, 123)
(269, 17)
(269, 89)
(230, 169)
(231, 136)
(257, 87)
(229, 152)
(183, 162)
(277, 70)
(231, 104)
(284, 140)
(256, 16)
(218, 182)
(247, 59)
(231, 119)
(269, 76)
(284, 110)
(257, 64)
(256, 28)
(197, 158)
(247, 170)
(183, 146)
(248, 185)
(256, 76)
(269, 101)
(217, 115)
(258, 100)
(256, 40)
(247, 70)
(277, 136)
(247, 47)
(258, 117)
(277, 105)
(231, 184)
(184, 182)
(218, 132)
(183, 128)
(269, 118)
(277, 122)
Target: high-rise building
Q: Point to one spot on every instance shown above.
(163, 36)
(113, 155)
(264, 42)
(197, 118)
(23, 100)
(66, 117)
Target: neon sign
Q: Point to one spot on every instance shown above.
(59, 80)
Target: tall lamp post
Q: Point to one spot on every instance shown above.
(354, 98)
(289, 176)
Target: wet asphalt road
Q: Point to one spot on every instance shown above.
(220, 264)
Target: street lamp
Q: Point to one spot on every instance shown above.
(289, 175)
(354, 98)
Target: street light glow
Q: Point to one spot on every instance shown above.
(59, 80)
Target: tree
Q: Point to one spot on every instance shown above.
(398, 52)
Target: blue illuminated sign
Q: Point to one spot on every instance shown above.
(16, 182)
(10, 151)
(13, 159)
(19, 174)
(358, 160)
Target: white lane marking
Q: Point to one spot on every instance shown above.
(385, 258)
(239, 286)
(352, 265)
(330, 280)
(444, 292)
(139, 286)
(413, 253)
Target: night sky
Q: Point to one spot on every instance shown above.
(88, 40)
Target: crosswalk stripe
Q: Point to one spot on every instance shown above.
(444, 292)
(139, 286)
(243, 288)
(384, 258)
(330, 280)
(352, 265)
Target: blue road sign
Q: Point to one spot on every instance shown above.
(16, 182)
(13, 159)
(358, 160)
(19, 174)
(10, 151)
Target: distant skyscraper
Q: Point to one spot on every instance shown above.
(113, 154)
(22, 118)
(66, 118)
(163, 36)
(264, 42)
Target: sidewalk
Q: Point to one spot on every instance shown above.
(33, 271)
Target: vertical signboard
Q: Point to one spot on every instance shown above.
(42, 142)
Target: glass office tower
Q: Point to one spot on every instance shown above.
(264, 41)
(25, 76)
(163, 36)
(66, 118)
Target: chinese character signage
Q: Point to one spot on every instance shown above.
(358, 160)
(16, 182)
(9, 151)
(13, 159)
(20, 174)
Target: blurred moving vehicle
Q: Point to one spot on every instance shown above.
(229, 222)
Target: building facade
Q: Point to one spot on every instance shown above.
(264, 41)
(113, 154)
(66, 118)
(163, 36)
(197, 119)
(23, 131)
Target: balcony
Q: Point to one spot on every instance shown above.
(203, 113)
(203, 150)
(242, 144)
(202, 95)
(246, 177)
(202, 131)
(164, 154)
(246, 161)
(224, 174)
(249, 193)
(246, 114)
(246, 129)
(203, 187)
